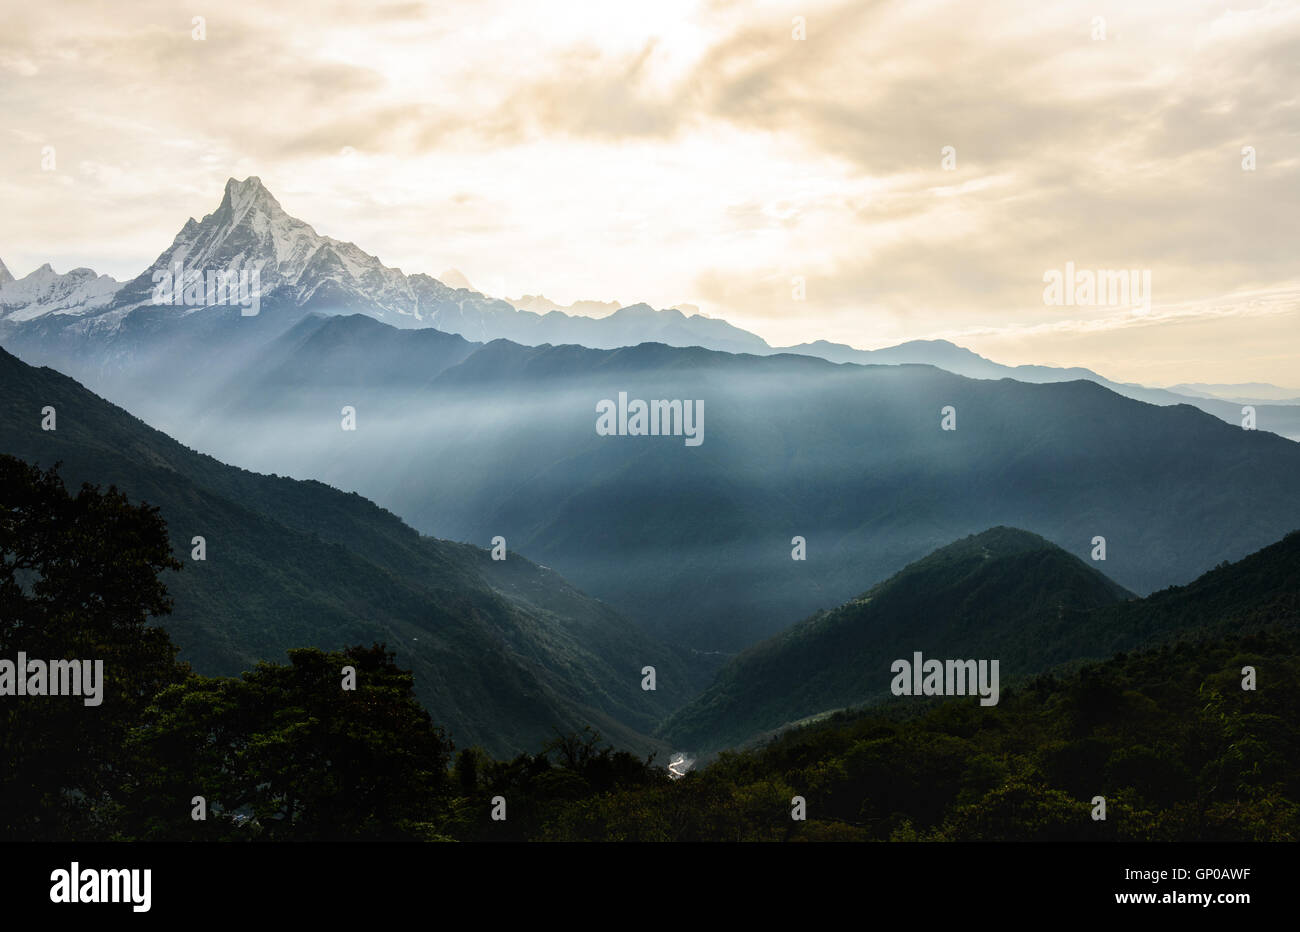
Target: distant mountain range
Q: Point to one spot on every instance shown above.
(1243, 392)
(1003, 594)
(301, 271)
(1279, 416)
(540, 304)
(504, 652)
(44, 291)
(43, 315)
(469, 441)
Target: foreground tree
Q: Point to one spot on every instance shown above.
(285, 753)
(79, 580)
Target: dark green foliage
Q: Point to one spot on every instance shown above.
(1003, 594)
(283, 753)
(78, 581)
(538, 787)
(1168, 737)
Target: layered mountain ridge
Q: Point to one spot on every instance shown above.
(43, 316)
(469, 440)
(1002, 594)
(505, 652)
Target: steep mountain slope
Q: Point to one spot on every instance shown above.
(503, 652)
(1257, 592)
(1003, 595)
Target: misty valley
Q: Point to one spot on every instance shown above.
(897, 598)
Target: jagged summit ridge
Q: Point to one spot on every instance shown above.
(300, 269)
(44, 291)
(240, 196)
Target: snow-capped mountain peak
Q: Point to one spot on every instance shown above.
(242, 196)
(250, 232)
(298, 270)
(45, 291)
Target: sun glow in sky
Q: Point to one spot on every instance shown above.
(692, 152)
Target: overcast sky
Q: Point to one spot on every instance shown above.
(674, 152)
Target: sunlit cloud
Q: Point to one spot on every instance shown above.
(697, 152)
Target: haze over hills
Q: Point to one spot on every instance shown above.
(504, 652)
(455, 278)
(47, 318)
(469, 439)
(1243, 392)
(468, 442)
(1279, 415)
(540, 304)
(1003, 594)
